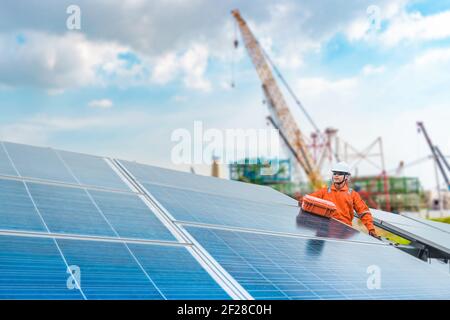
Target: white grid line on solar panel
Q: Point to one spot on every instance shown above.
(265, 232)
(232, 287)
(266, 246)
(115, 232)
(202, 257)
(63, 184)
(209, 184)
(110, 272)
(59, 182)
(54, 240)
(139, 214)
(51, 235)
(268, 261)
(147, 199)
(220, 212)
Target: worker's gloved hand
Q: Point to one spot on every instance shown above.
(373, 233)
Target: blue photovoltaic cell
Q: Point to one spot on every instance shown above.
(36, 162)
(16, 208)
(68, 210)
(92, 170)
(32, 268)
(176, 273)
(6, 167)
(230, 188)
(109, 271)
(186, 205)
(130, 217)
(277, 267)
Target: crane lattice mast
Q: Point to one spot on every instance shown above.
(284, 117)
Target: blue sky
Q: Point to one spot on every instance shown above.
(138, 70)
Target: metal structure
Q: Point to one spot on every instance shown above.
(437, 155)
(283, 116)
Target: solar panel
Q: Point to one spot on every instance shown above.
(92, 170)
(130, 217)
(176, 273)
(194, 206)
(413, 229)
(280, 267)
(36, 162)
(435, 224)
(124, 250)
(16, 210)
(211, 185)
(6, 167)
(32, 268)
(69, 210)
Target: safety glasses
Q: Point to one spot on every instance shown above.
(338, 173)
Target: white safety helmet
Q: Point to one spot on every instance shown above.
(341, 167)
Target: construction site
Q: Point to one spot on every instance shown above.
(326, 219)
(313, 154)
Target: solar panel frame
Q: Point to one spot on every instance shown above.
(412, 229)
(435, 224)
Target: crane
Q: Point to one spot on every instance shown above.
(437, 154)
(289, 129)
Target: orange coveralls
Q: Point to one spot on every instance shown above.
(346, 203)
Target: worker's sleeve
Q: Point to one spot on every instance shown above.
(363, 211)
(318, 194)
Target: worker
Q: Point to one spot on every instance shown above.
(347, 201)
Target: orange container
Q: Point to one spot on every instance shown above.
(318, 206)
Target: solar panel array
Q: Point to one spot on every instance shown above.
(75, 226)
(61, 209)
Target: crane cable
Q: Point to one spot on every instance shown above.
(235, 45)
(291, 92)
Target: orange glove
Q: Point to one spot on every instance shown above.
(373, 233)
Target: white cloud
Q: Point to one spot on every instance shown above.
(369, 70)
(414, 27)
(402, 26)
(194, 63)
(191, 65)
(102, 104)
(434, 57)
(53, 62)
(165, 68)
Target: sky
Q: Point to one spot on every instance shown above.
(137, 70)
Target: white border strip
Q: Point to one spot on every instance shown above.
(70, 236)
(154, 209)
(271, 233)
(220, 275)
